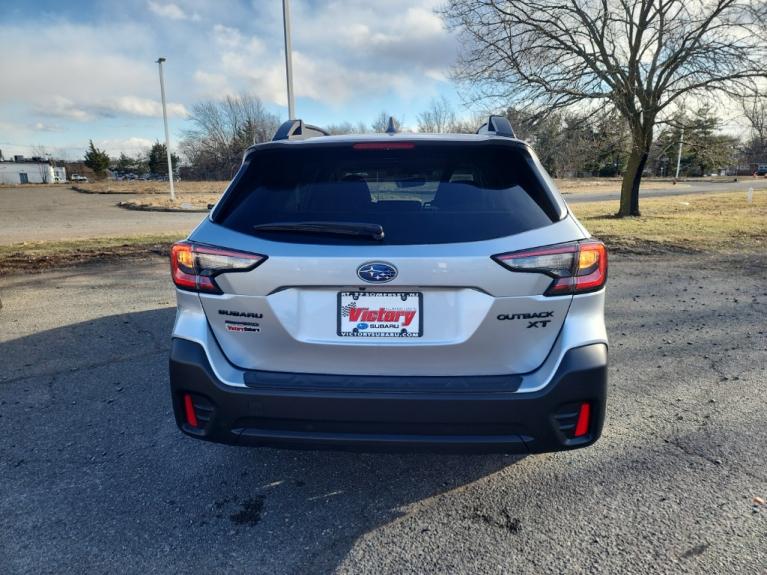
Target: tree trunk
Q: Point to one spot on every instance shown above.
(640, 150)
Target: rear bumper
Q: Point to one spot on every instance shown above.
(389, 413)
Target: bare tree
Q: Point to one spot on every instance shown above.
(754, 108)
(381, 122)
(346, 128)
(642, 56)
(222, 130)
(439, 118)
(44, 164)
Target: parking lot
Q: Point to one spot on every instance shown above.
(60, 213)
(96, 478)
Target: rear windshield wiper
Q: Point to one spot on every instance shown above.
(358, 229)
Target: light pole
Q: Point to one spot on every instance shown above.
(288, 58)
(679, 155)
(167, 135)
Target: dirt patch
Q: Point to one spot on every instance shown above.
(42, 256)
(250, 511)
(695, 551)
(501, 520)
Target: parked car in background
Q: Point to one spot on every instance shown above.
(77, 178)
(391, 291)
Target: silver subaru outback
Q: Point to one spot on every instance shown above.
(391, 292)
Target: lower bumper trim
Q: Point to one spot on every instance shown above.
(322, 415)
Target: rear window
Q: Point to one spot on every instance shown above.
(425, 194)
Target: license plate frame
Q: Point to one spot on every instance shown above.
(394, 297)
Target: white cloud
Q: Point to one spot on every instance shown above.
(342, 51)
(57, 106)
(134, 106)
(44, 127)
(80, 73)
(170, 11)
(350, 57)
(212, 84)
(130, 146)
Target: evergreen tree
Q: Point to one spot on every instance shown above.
(158, 159)
(97, 160)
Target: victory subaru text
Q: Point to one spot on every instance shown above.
(391, 292)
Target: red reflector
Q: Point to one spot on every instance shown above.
(384, 146)
(582, 427)
(191, 416)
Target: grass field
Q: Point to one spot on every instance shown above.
(140, 187)
(712, 222)
(723, 223)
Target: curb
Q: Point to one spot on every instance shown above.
(145, 208)
(115, 192)
(84, 191)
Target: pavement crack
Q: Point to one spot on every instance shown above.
(693, 453)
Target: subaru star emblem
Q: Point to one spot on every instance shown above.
(377, 272)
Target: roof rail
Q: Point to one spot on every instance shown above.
(498, 125)
(297, 130)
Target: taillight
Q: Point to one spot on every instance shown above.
(194, 266)
(577, 267)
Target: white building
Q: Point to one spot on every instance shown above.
(59, 174)
(27, 171)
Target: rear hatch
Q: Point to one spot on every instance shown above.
(379, 259)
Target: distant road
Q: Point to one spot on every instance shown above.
(44, 213)
(679, 190)
(37, 213)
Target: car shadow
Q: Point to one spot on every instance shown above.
(100, 475)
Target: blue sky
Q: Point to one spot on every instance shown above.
(80, 69)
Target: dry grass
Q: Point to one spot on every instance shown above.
(189, 195)
(39, 256)
(591, 185)
(184, 201)
(724, 223)
(141, 187)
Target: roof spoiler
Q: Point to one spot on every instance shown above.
(297, 130)
(498, 125)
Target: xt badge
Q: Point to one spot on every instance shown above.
(537, 318)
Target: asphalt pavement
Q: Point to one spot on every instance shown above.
(95, 478)
(40, 213)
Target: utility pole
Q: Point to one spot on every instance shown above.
(167, 135)
(288, 59)
(679, 155)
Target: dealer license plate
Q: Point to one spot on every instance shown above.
(380, 314)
